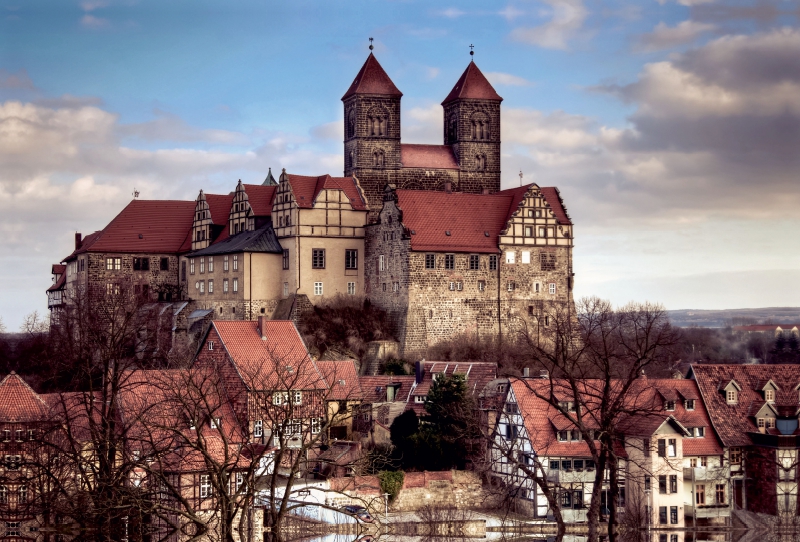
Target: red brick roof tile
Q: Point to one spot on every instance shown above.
(374, 387)
(260, 198)
(18, 402)
(306, 189)
(372, 79)
(472, 85)
(59, 284)
(58, 269)
(427, 156)
(342, 379)
(478, 374)
(553, 198)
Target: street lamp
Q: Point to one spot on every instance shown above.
(386, 501)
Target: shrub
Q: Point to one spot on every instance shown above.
(391, 482)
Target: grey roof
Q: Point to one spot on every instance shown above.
(270, 180)
(261, 240)
(200, 313)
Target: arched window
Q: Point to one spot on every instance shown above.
(452, 128)
(351, 123)
(351, 159)
(480, 127)
(480, 162)
(378, 158)
(378, 122)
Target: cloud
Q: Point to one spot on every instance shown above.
(667, 37)
(451, 13)
(567, 17)
(90, 21)
(431, 72)
(91, 5)
(510, 12)
(507, 79)
(761, 12)
(687, 2)
(331, 130)
(17, 81)
(170, 127)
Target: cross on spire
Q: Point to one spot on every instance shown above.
(471, 52)
(370, 45)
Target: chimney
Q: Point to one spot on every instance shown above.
(485, 191)
(526, 372)
(78, 240)
(448, 187)
(261, 322)
(418, 371)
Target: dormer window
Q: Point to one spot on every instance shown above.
(769, 395)
(669, 405)
(732, 397)
(689, 404)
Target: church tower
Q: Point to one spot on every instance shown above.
(472, 129)
(372, 129)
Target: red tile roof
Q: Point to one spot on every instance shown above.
(473, 85)
(427, 156)
(58, 269)
(372, 79)
(553, 198)
(473, 220)
(342, 379)
(59, 284)
(374, 387)
(260, 198)
(306, 189)
(18, 402)
(478, 375)
(280, 361)
(154, 226)
(733, 422)
(220, 207)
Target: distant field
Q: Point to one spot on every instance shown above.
(723, 318)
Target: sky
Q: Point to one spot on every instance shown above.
(671, 127)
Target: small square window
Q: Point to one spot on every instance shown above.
(449, 261)
(510, 256)
(351, 288)
(511, 286)
(165, 264)
(317, 288)
(430, 261)
(526, 256)
(529, 231)
(474, 262)
(552, 288)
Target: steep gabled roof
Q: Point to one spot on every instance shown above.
(476, 373)
(260, 198)
(220, 207)
(372, 79)
(427, 156)
(342, 379)
(307, 188)
(59, 284)
(154, 226)
(261, 240)
(18, 402)
(472, 85)
(553, 198)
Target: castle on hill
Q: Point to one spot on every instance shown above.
(422, 231)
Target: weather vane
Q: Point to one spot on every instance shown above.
(471, 52)
(135, 193)
(370, 45)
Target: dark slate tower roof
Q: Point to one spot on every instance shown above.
(372, 79)
(472, 85)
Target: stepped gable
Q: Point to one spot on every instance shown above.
(306, 189)
(155, 226)
(18, 402)
(260, 198)
(372, 79)
(473, 220)
(553, 198)
(427, 156)
(733, 422)
(472, 85)
(275, 361)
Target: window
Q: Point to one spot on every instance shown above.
(731, 396)
(529, 229)
(673, 483)
(318, 258)
(474, 262)
(647, 483)
(537, 287)
(669, 405)
(562, 436)
(205, 486)
(700, 432)
(235, 282)
(297, 397)
(285, 289)
(351, 259)
(202, 286)
(430, 261)
(216, 423)
(553, 465)
(689, 405)
(510, 256)
(672, 448)
(452, 286)
(770, 422)
(449, 261)
(511, 286)
(202, 265)
(141, 264)
(381, 263)
(351, 288)
(736, 456)
(700, 494)
(566, 464)
(662, 484)
(258, 428)
(235, 264)
(317, 288)
(225, 286)
(211, 345)
(210, 286)
(191, 266)
(493, 262)
(662, 516)
(542, 231)
(459, 285)
(396, 286)
(578, 464)
(720, 493)
(703, 461)
(673, 515)
(547, 261)
(294, 427)
(526, 256)
(316, 425)
(13, 528)
(481, 285)
(113, 264)
(552, 288)
(566, 499)
(769, 395)
(165, 264)
(210, 264)
(280, 398)
(3, 495)
(225, 263)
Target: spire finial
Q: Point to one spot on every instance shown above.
(471, 52)
(135, 193)
(520, 177)
(371, 47)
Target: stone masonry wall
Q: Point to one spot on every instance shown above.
(126, 277)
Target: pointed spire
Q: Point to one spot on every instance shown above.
(270, 180)
(472, 85)
(372, 79)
